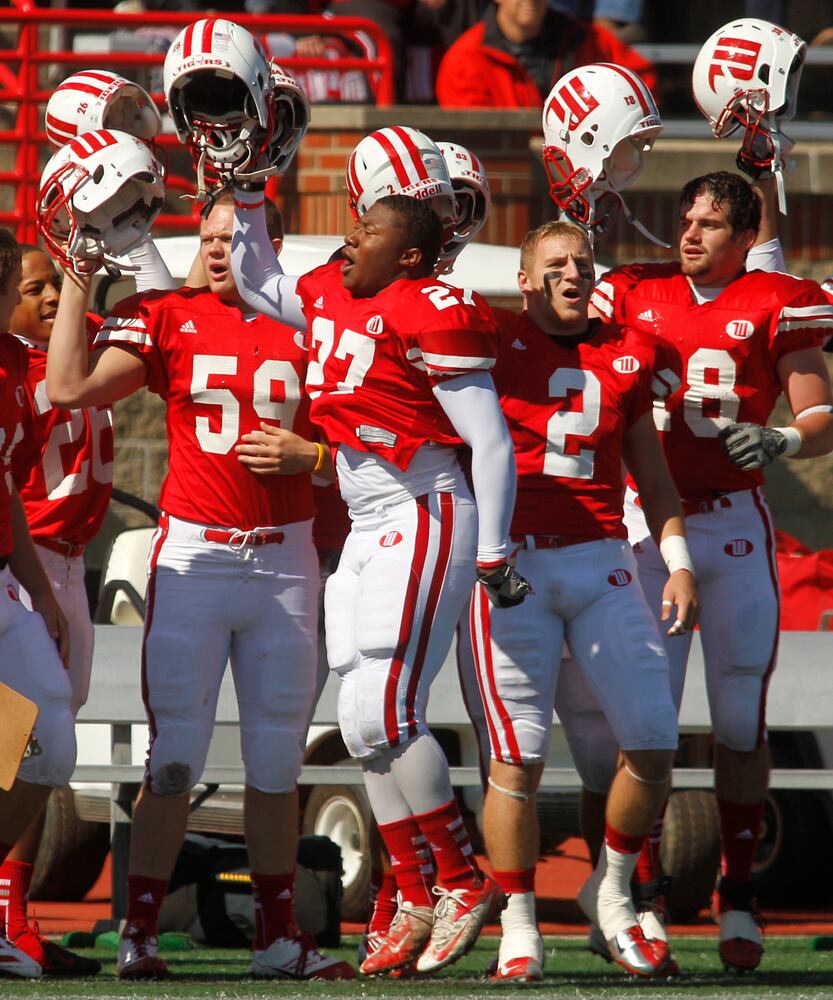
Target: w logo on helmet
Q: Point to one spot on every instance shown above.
(736, 57)
(572, 102)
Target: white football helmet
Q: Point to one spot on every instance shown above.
(599, 122)
(99, 196)
(216, 78)
(471, 188)
(289, 113)
(401, 160)
(96, 98)
(746, 76)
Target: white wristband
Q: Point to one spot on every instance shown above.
(794, 440)
(674, 550)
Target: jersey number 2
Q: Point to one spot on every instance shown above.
(572, 423)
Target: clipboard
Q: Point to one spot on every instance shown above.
(17, 720)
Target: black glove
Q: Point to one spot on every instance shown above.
(504, 586)
(751, 446)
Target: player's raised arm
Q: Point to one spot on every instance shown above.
(74, 378)
(257, 270)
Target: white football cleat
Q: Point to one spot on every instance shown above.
(14, 962)
(404, 942)
(138, 956)
(298, 958)
(741, 926)
(458, 919)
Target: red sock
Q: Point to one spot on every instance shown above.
(740, 831)
(274, 899)
(649, 865)
(623, 843)
(144, 901)
(410, 861)
(15, 879)
(384, 905)
(446, 834)
(518, 881)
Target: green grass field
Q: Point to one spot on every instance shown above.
(793, 967)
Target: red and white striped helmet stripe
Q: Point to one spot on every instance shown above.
(91, 142)
(403, 154)
(641, 92)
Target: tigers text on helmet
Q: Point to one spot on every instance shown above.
(471, 188)
(401, 160)
(599, 121)
(99, 196)
(95, 99)
(746, 76)
(216, 79)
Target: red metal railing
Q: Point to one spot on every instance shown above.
(21, 68)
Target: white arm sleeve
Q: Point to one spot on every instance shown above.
(767, 256)
(471, 404)
(259, 275)
(153, 274)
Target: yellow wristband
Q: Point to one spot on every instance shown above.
(319, 463)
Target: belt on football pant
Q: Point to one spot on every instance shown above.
(68, 549)
(236, 538)
(707, 505)
(532, 542)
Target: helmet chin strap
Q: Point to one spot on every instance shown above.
(778, 165)
(632, 219)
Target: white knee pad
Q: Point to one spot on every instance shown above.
(349, 721)
(339, 622)
(272, 757)
(55, 735)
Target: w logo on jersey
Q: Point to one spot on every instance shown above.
(740, 329)
(391, 538)
(375, 325)
(738, 547)
(619, 578)
(572, 103)
(735, 57)
(626, 365)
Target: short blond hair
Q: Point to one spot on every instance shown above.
(550, 230)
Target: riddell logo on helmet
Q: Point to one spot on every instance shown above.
(619, 578)
(573, 103)
(740, 329)
(426, 192)
(738, 547)
(734, 56)
(390, 539)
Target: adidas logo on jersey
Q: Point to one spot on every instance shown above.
(518, 345)
(319, 303)
(648, 316)
(188, 327)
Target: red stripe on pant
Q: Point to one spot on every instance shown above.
(482, 642)
(407, 621)
(150, 600)
(433, 600)
(773, 573)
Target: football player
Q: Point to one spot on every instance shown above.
(738, 339)
(233, 575)
(577, 397)
(398, 377)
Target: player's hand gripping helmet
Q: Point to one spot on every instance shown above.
(471, 188)
(599, 121)
(401, 160)
(96, 98)
(746, 76)
(216, 78)
(99, 196)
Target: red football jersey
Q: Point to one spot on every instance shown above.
(717, 360)
(373, 361)
(220, 376)
(64, 471)
(568, 406)
(14, 362)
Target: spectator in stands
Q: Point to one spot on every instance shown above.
(512, 56)
(621, 17)
(409, 23)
